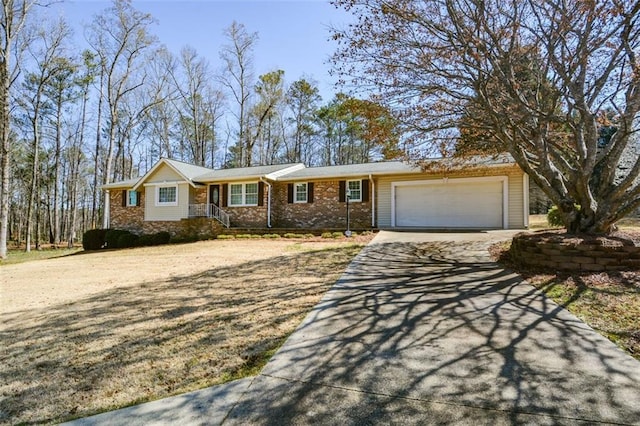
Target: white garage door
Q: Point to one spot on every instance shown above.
(450, 205)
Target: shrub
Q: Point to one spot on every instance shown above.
(93, 239)
(160, 238)
(308, 236)
(293, 235)
(554, 218)
(112, 237)
(128, 240)
(226, 237)
(145, 240)
(327, 235)
(271, 236)
(243, 236)
(338, 235)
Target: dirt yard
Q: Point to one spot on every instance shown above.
(96, 331)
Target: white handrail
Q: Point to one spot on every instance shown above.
(209, 210)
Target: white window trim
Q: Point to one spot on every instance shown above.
(295, 193)
(347, 190)
(244, 194)
(129, 198)
(168, 204)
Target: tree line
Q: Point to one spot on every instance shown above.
(75, 118)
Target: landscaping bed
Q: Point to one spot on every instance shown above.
(97, 331)
(556, 250)
(609, 301)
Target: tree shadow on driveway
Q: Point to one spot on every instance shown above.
(436, 333)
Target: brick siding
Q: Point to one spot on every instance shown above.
(127, 218)
(326, 211)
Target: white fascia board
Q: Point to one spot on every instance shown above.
(275, 175)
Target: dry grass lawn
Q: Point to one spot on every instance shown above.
(96, 331)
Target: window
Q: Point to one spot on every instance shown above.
(243, 194)
(236, 195)
(300, 193)
(167, 195)
(132, 198)
(251, 194)
(354, 190)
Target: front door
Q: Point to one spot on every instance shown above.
(214, 194)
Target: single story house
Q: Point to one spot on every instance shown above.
(484, 193)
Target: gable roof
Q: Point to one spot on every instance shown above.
(195, 175)
(351, 170)
(241, 173)
(186, 171)
(397, 167)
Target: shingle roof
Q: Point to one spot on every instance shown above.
(393, 168)
(284, 172)
(246, 172)
(129, 183)
(390, 167)
(190, 171)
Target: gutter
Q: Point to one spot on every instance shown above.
(373, 201)
(268, 201)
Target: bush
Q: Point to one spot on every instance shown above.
(271, 236)
(128, 240)
(112, 237)
(93, 239)
(243, 236)
(338, 235)
(160, 238)
(554, 218)
(293, 235)
(145, 240)
(226, 237)
(327, 235)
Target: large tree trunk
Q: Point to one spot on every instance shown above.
(4, 156)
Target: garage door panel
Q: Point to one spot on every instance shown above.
(450, 205)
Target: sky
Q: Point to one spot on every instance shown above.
(294, 35)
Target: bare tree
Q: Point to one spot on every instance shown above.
(267, 114)
(162, 116)
(13, 16)
(46, 51)
(120, 38)
(303, 97)
(199, 105)
(237, 77)
(431, 59)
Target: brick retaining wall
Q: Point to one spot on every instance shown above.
(574, 253)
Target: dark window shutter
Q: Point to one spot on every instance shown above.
(124, 198)
(290, 193)
(138, 194)
(261, 193)
(225, 188)
(365, 190)
(342, 197)
(310, 192)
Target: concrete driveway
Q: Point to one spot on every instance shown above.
(425, 329)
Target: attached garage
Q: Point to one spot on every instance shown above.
(479, 203)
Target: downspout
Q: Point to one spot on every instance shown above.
(107, 207)
(268, 201)
(373, 201)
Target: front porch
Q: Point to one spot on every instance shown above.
(209, 211)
